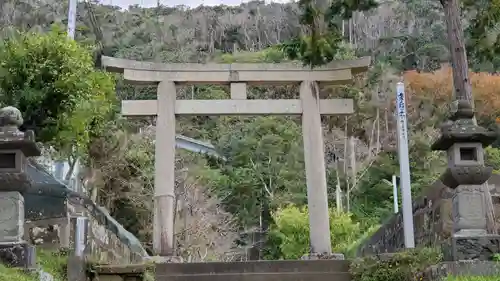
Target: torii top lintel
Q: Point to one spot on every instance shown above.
(337, 72)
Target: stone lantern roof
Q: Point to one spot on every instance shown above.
(461, 128)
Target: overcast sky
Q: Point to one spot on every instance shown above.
(190, 3)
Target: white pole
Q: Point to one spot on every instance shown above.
(404, 166)
(338, 191)
(72, 19)
(395, 194)
(80, 228)
(80, 236)
(59, 170)
(338, 198)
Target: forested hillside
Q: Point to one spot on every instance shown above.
(261, 185)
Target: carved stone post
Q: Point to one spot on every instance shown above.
(15, 147)
(464, 142)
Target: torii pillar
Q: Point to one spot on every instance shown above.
(238, 76)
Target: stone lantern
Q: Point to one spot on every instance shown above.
(15, 148)
(466, 174)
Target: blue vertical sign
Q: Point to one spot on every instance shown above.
(404, 167)
(401, 110)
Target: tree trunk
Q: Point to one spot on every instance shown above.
(459, 64)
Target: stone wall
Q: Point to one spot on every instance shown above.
(432, 221)
(104, 246)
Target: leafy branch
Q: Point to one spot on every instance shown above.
(322, 42)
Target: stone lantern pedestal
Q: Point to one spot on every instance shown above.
(466, 174)
(15, 147)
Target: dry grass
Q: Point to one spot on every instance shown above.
(437, 88)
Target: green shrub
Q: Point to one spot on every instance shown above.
(403, 266)
(289, 236)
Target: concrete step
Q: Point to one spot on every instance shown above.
(253, 267)
(275, 276)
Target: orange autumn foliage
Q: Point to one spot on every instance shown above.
(437, 88)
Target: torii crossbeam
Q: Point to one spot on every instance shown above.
(238, 76)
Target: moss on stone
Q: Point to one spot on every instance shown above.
(472, 278)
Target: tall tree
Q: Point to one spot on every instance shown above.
(322, 40)
(52, 80)
(456, 40)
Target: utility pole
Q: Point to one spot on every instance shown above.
(72, 19)
(81, 219)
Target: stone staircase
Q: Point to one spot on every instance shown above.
(299, 270)
(131, 272)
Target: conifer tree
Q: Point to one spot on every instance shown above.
(321, 42)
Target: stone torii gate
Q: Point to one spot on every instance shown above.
(238, 76)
